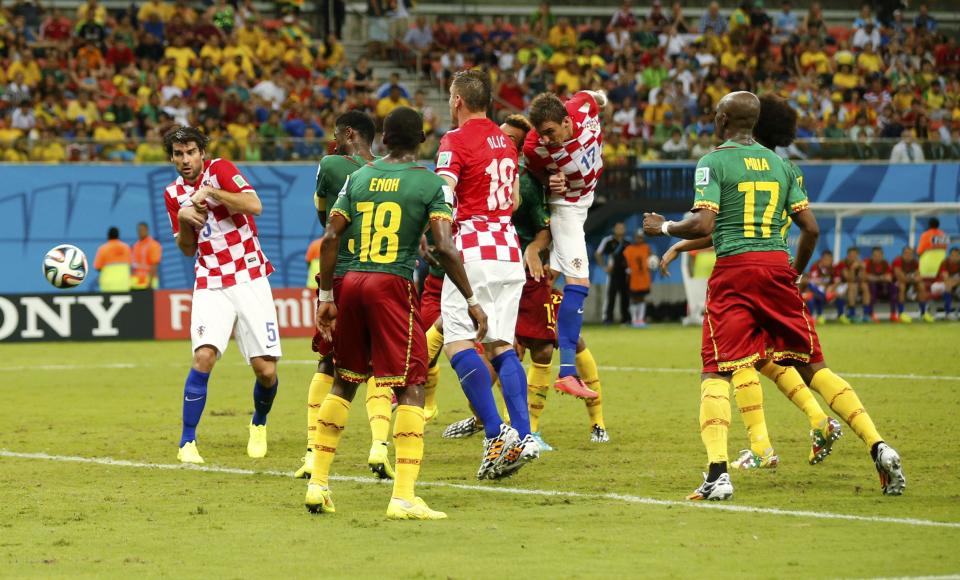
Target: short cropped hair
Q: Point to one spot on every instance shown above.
(473, 86)
(113, 233)
(403, 129)
(547, 107)
(359, 122)
(518, 122)
(183, 135)
(777, 124)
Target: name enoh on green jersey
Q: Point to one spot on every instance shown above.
(388, 206)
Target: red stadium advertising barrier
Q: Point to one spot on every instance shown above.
(296, 308)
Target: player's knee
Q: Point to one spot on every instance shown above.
(411, 395)
(204, 358)
(542, 353)
(265, 370)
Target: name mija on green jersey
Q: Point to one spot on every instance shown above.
(753, 192)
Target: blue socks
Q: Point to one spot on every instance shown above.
(263, 401)
(841, 304)
(948, 302)
(569, 322)
(513, 379)
(478, 387)
(194, 399)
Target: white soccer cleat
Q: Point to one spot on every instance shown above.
(892, 480)
(717, 490)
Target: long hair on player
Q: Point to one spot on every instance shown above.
(403, 131)
(182, 134)
(777, 125)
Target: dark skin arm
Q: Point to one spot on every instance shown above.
(680, 247)
(329, 246)
(698, 224)
(531, 256)
(809, 233)
(449, 258)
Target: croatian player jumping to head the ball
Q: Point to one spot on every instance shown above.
(211, 207)
(563, 151)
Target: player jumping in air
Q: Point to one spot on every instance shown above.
(375, 322)
(753, 304)
(564, 150)
(479, 163)
(354, 132)
(211, 208)
(776, 127)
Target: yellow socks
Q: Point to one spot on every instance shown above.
(378, 410)
(790, 383)
(749, 395)
(539, 379)
(715, 418)
(319, 388)
(430, 392)
(844, 401)
(408, 442)
(434, 343)
(588, 371)
(331, 421)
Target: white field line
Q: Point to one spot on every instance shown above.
(614, 369)
(617, 497)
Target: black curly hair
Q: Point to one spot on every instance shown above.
(183, 135)
(777, 125)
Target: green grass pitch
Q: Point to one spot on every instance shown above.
(122, 401)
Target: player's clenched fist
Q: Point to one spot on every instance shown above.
(652, 222)
(192, 216)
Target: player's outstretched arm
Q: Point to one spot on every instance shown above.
(809, 234)
(680, 247)
(531, 256)
(599, 96)
(696, 225)
(449, 259)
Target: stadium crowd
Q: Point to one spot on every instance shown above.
(94, 84)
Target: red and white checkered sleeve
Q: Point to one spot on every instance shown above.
(229, 177)
(173, 208)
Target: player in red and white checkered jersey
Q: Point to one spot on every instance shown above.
(479, 163)
(211, 207)
(564, 151)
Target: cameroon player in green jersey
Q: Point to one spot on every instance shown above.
(384, 208)
(754, 308)
(354, 133)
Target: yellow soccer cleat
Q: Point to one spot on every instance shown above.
(430, 413)
(821, 320)
(257, 443)
(844, 319)
(906, 319)
(189, 454)
(401, 509)
(379, 461)
(306, 470)
(319, 499)
(927, 317)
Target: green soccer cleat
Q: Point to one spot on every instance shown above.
(750, 460)
(904, 319)
(844, 319)
(822, 440)
(927, 317)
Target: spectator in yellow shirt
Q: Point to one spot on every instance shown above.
(213, 49)
(561, 34)
(235, 67)
(272, 48)
(183, 55)
(390, 102)
(151, 150)
(8, 135)
(83, 108)
(569, 77)
(903, 98)
(48, 149)
(656, 111)
(98, 11)
(188, 14)
(161, 9)
(28, 67)
(814, 58)
(845, 78)
(869, 61)
(250, 34)
(333, 50)
(110, 137)
(240, 130)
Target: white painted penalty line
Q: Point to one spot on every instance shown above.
(624, 498)
(688, 371)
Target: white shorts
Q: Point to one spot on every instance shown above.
(246, 310)
(497, 286)
(569, 253)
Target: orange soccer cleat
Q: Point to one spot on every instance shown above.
(573, 385)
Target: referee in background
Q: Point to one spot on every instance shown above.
(609, 256)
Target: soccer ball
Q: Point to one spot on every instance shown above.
(653, 262)
(65, 266)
